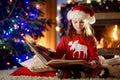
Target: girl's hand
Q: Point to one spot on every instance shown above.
(93, 64)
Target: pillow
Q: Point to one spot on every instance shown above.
(114, 61)
(36, 65)
(111, 61)
(27, 72)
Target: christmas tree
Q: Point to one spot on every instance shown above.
(19, 18)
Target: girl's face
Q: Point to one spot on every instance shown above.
(78, 25)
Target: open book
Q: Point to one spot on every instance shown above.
(55, 63)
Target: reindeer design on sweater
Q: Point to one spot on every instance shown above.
(78, 48)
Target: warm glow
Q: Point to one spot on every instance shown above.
(29, 38)
(100, 44)
(116, 56)
(4, 47)
(11, 1)
(115, 33)
(57, 28)
(110, 44)
(57, 18)
(37, 6)
(69, 1)
(88, 1)
(98, 0)
(8, 63)
(58, 7)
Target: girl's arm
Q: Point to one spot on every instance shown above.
(93, 53)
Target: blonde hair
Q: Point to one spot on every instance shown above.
(88, 31)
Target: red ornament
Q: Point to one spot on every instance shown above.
(63, 5)
(73, 2)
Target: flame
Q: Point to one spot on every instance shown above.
(100, 44)
(115, 33)
(109, 44)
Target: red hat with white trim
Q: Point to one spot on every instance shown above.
(83, 12)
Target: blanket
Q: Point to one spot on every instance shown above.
(4, 75)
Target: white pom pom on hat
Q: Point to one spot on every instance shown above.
(82, 12)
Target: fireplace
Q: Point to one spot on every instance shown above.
(108, 37)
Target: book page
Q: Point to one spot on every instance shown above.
(59, 62)
(41, 54)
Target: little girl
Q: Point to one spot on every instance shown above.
(79, 42)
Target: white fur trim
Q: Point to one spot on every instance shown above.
(80, 14)
(92, 20)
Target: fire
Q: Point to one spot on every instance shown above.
(100, 44)
(112, 42)
(115, 33)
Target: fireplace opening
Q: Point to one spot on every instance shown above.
(108, 38)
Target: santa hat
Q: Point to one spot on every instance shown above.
(82, 12)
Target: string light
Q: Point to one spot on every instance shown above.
(27, 57)
(19, 60)
(37, 6)
(16, 26)
(16, 58)
(58, 28)
(4, 47)
(88, 1)
(73, 2)
(23, 41)
(98, 0)
(57, 18)
(69, 1)
(8, 63)
(58, 7)
(10, 1)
